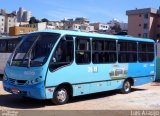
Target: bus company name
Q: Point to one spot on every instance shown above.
(29, 73)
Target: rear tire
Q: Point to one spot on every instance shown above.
(60, 96)
(126, 87)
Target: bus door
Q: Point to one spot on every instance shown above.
(60, 67)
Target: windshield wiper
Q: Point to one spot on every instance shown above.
(30, 51)
(14, 52)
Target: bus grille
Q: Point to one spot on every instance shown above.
(17, 82)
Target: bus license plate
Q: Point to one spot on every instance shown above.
(15, 91)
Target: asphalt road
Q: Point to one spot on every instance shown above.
(141, 97)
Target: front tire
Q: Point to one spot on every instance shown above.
(60, 96)
(126, 87)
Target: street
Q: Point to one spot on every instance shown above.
(141, 97)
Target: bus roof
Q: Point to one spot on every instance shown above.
(78, 33)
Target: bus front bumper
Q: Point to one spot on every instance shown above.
(34, 91)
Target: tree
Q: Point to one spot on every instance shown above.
(44, 20)
(33, 20)
(117, 28)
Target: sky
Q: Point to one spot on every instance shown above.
(94, 10)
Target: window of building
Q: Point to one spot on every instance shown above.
(21, 31)
(139, 35)
(140, 15)
(145, 26)
(146, 52)
(127, 51)
(146, 16)
(2, 19)
(2, 29)
(103, 51)
(139, 25)
(145, 35)
(83, 51)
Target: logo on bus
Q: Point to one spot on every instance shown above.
(29, 73)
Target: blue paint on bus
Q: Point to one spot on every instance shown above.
(40, 82)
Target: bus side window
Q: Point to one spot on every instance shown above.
(146, 52)
(83, 50)
(103, 51)
(64, 53)
(12, 43)
(3, 46)
(127, 52)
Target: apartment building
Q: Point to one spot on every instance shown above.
(38, 26)
(55, 25)
(80, 23)
(7, 20)
(23, 15)
(101, 27)
(10, 21)
(2, 24)
(144, 23)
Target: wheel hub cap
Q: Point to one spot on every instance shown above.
(61, 95)
(127, 86)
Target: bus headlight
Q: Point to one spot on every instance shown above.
(35, 80)
(5, 78)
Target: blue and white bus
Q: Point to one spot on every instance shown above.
(59, 64)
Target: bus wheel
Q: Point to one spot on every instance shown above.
(126, 87)
(60, 96)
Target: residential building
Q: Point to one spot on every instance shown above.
(79, 23)
(81, 20)
(23, 15)
(144, 23)
(123, 25)
(10, 21)
(3, 11)
(45, 25)
(55, 25)
(17, 30)
(2, 24)
(101, 27)
(7, 20)
(38, 26)
(113, 22)
(21, 23)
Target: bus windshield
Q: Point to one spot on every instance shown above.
(34, 50)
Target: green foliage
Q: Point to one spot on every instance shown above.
(117, 28)
(33, 20)
(44, 20)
